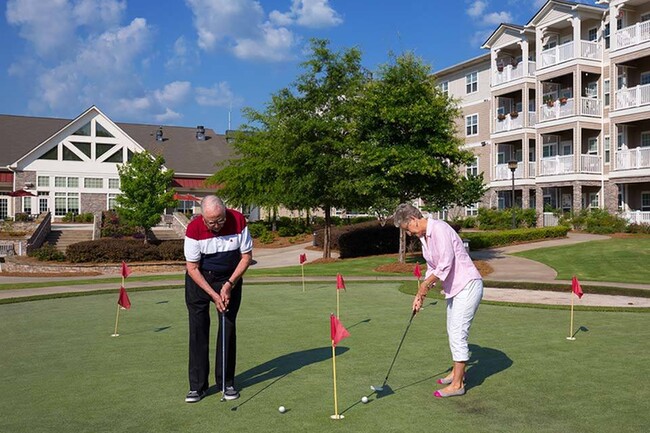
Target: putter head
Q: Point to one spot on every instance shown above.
(382, 391)
(377, 388)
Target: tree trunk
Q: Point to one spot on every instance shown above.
(146, 235)
(402, 246)
(327, 253)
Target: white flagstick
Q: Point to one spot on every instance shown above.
(302, 267)
(571, 337)
(336, 404)
(117, 318)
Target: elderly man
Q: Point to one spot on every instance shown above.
(218, 250)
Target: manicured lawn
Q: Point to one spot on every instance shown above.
(617, 260)
(62, 372)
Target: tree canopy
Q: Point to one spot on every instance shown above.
(145, 195)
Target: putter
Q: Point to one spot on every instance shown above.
(223, 355)
(381, 388)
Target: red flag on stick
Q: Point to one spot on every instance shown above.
(337, 330)
(303, 258)
(416, 271)
(575, 286)
(125, 270)
(124, 300)
(340, 284)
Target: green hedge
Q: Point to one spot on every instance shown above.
(116, 250)
(337, 231)
(369, 240)
(489, 239)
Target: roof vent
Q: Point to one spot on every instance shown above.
(200, 133)
(159, 134)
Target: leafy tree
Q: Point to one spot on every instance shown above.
(144, 183)
(296, 153)
(406, 137)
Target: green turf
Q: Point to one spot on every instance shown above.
(61, 370)
(617, 260)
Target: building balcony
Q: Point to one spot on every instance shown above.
(502, 172)
(508, 122)
(566, 52)
(633, 97)
(631, 159)
(508, 73)
(558, 165)
(566, 107)
(637, 217)
(631, 35)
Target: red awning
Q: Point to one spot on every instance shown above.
(191, 183)
(186, 197)
(21, 193)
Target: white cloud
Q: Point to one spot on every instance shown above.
(496, 18)
(308, 13)
(168, 116)
(97, 12)
(241, 27)
(173, 93)
(476, 8)
(182, 56)
(219, 95)
(479, 37)
(46, 24)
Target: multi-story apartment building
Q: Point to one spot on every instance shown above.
(567, 98)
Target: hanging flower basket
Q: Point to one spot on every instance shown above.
(563, 100)
(501, 116)
(549, 103)
(514, 114)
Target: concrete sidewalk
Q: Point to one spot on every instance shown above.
(506, 268)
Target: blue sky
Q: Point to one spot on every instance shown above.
(191, 62)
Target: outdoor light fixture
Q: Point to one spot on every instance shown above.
(512, 165)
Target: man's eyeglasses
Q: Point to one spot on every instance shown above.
(215, 223)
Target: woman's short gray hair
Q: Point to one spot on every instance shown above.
(404, 213)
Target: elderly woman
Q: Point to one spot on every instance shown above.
(449, 263)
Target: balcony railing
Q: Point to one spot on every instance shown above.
(565, 52)
(532, 169)
(591, 50)
(633, 158)
(555, 165)
(633, 97)
(509, 73)
(632, 35)
(509, 122)
(502, 172)
(590, 164)
(637, 217)
(532, 118)
(587, 107)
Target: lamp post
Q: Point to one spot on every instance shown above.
(512, 165)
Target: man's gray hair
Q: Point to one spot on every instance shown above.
(404, 213)
(211, 202)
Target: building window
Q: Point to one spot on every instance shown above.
(608, 150)
(185, 206)
(606, 91)
(645, 78)
(593, 200)
(592, 34)
(66, 202)
(472, 168)
(59, 182)
(606, 35)
(645, 201)
(43, 181)
(113, 183)
(43, 201)
(111, 201)
(93, 182)
(73, 182)
(472, 210)
(444, 88)
(4, 207)
(27, 205)
(592, 146)
(645, 139)
(84, 130)
(471, 82)
(471, 124)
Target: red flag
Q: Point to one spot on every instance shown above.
(337, 330)
(303, 258)
(416, 271)
(575, 286)
(125, 270)
(123, 300)
(340, 284)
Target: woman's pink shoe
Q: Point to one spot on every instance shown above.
(441, 394)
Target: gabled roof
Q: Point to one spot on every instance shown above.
(502, 29)
(552, 3)
(183, 153)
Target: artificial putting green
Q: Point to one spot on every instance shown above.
(63, 372)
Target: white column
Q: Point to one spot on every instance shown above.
(577, 46)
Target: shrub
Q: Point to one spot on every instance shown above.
(337, 231)
(600, 221)
(112, 250)
(22, 217)
(172, 250)
(257, 229)
(369, 239)
(495, 219)
(267, 237)
(480, 240)
(638, 228)
(47, 252)
(113, 228)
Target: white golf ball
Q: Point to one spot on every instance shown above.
(364, 399)
(282, 409)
